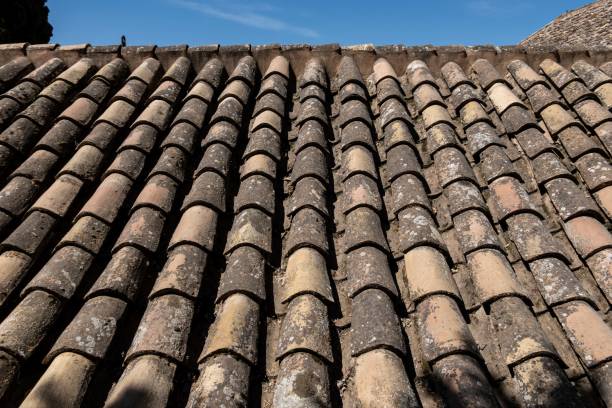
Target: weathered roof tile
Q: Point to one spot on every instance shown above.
(463, 216)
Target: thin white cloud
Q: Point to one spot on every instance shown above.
(246, 15)
(497, 7)
(481, 6)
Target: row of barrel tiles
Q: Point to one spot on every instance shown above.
(365, 120)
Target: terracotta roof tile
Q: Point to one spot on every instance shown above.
(15, 265)
(474, 231)
(402, 160)
(131, 92)
(267, 119)
(103, 310)
(88, 233)
(57, 91)
(599, 264)
(503, 98)
(592, 76)
(531, 237)
(576, 92)
(451, 166)
(387, 89)
(244, 273)
(215, 393)
(18, 97)
(541, 97)
(147, 70)
(16, 194)
(594, 349)
(492, 276)
(245, 70)
(273, 85)
(85, 163)
(116, 70)
(167, 91)
(305, 313)
(128, 162)
(182, 273)
(518, 332)
(433, 238)
(96, 90)
(604, 133)
(204, 218)
(603, 198)
(556, 281)
(533, 142)
(158, 193)
(524, 75)
(307, 274)
(181, 135)
(142, 138)
(139, 373)
(592, 113)
(462, 95)
(495, 164)
(347, 72)
(588, 235)
(487, 74)
(143, 230)
(235, 329)
(32, 234)
(217, 158)
(312, 91)
(314, 73)
(13, 70)
(223, 132)
(570, 200)
(28, 324)
(308, 230)
(271, 101)
(454, 75)
(394, 110)
(82, 241)
(77, 71)
(63, 371)
(45, 73)
(58, 198)
(556, 73)
(237, 89)
(510, 197)
(604, 92)
(63, 273)
(162, 330)
(122, 276)
(427, 274)
(550, 376)
(313, 109)
(201, 90)
(178, 71)
(367, 332)
(595, 170)
(443, 338)
(517, 119)
(417, 227)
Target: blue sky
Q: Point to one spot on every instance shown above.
(197, 22)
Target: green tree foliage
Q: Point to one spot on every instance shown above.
(24, 21)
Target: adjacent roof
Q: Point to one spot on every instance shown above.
(305, 226)
(587, 26)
